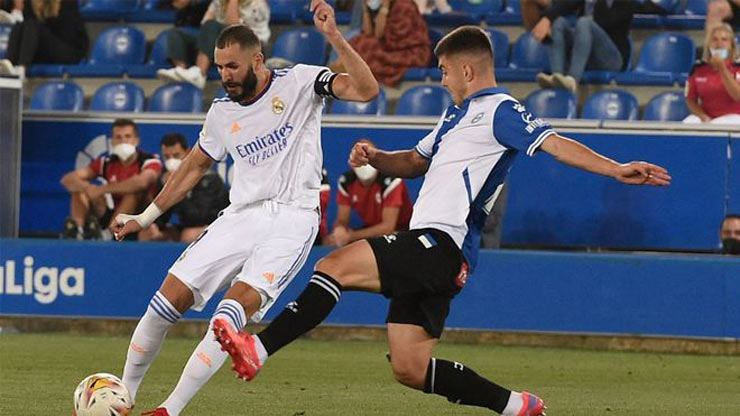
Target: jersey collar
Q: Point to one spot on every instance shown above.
(261, 93)
(486, 91)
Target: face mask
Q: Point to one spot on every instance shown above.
(722, 53)
(365, 173)
(124, 150)
(731, 246)
(374, 5)
(172, 164)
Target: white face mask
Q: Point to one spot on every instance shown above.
(722, 52)
(374, 5)
(172, 164)
(365, 173)
(124, 150)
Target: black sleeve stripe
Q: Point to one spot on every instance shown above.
(322, 86)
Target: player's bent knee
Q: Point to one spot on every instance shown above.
(177, 293)
(330, 264)
(409, 374)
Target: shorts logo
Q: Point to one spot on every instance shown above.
(462, 277)
(292, 306)
(268, 276)
(390, 238)
(278, 106)
(427, 240)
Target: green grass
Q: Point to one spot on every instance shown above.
(38, 374)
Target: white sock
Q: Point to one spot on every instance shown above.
(147, 340)
(514, 405)
(206, 359)
(261, 351)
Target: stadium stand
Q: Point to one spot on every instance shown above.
(157, 59)
(301, 45)
(552, 103)
(4, 35)
(118, 96)
(423, 100)
(663, 58)
(611, 105)
(528, 57)
(115, 49)
(179, 97)
(108, 10)
(58, 96)
(666, 106)
(374, 107)
(500, 41)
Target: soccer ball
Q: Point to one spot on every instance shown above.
(102, 394)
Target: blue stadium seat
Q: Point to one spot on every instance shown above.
(610, 105)
(115, 48)
(500, 41)
(421, 74)
(284, 11)
(552, 103)
(670, 6)
(528, 57)
(108, 10)
(301, 46)
(58, 96)
(435, 35)
(666, 106)
(4, 35)
(513, 7)
(477, 8)
(423, 100)
(157, 59)
(153, 11)
(118, 96)
(374, 107)
(663, 57)
(179, 97)
(696, 7)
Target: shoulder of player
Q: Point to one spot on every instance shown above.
(698, 64)
(388, 183)
(347, 178)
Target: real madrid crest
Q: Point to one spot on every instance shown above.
(278, 106)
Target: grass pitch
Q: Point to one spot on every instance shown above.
(38, 374)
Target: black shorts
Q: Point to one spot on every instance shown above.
(420, 271)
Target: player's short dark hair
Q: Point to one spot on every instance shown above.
(237, 33)
(470, 39)
(171, 139)
(731, 217)
(123, 122)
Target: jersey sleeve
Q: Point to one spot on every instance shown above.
(320, 78)
(516, 128)
(208, 140)
(97, 166)
(343, 197)
(152, 163)
(425, 147)
(393, 193)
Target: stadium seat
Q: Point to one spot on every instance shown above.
(477, 8)
(696, 7)
(118, 96)
(157, 59)
(179, 97)
(667, 106)
(301, 46)
(108, 10)
(58, 96)
(500, 41)
(423, 100)
(284, 11)
(663, 57)
(513, 7)
(115, 48)
(552, 103)
(671, 6)
(610, 105)
(153, 11)
(374, 107)
(528, 57)
(4, 35)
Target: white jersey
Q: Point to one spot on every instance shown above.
(274, 139)
(471, 151)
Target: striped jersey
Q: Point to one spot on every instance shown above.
(274, 138)
(471, 150)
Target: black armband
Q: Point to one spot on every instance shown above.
(322, 86)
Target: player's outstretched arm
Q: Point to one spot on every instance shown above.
(581, 156)
(401, 163)
(193, 167)
(358, 83)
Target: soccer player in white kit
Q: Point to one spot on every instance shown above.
(270, 126)
(465, 160)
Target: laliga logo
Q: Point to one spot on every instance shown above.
(44, 283)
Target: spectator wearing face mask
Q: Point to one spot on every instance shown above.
(128, 177)
(713, 88)
(199, 207)
(729, 233)
(382, 202)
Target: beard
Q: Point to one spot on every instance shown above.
(248, 86)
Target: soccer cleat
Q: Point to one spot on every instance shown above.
(533, 405)
(92, 229)
(160, 411)
(240, 346)
(70, 230)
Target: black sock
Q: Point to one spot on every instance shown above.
(462, 385)
(305, 313)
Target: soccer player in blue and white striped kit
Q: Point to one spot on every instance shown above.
(465, 159)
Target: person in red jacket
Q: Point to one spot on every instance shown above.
(713, 88)
(381, 201)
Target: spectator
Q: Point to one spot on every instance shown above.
(44, 32)
(220, 13)
(599, 40)
(722, 11)
(199, 207)
(324, 199)
(394, 37)
(382, 202)
(532, 11)
(431, 6)
(729, 233)
(128, 175)
(713, 88)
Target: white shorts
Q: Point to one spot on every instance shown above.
(264, 245)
